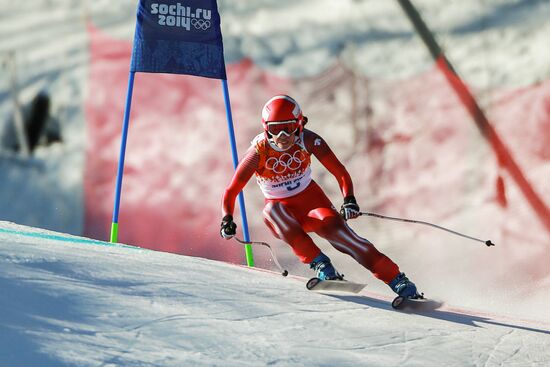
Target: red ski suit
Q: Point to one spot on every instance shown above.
(296, 205)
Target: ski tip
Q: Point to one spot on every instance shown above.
(312, 283)
(397, 302)
(400, 301)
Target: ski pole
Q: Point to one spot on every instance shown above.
(488, 242)
(283, 271)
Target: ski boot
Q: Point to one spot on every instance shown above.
(327, 278)
(405, 289)
(324, 269)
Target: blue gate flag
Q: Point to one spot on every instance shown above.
(179, 37)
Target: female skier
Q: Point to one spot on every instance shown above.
(280, 157)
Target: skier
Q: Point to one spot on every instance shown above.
(280, 157)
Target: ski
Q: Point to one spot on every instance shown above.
(400, 301)
(318, 285)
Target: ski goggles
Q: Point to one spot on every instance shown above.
(279, 128)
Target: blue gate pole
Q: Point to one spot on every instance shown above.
(248, 248)
(120, 172)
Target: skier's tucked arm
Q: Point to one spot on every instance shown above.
(244, 171)
(320, 149)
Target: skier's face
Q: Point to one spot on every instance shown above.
(282, 132)
(283, 141)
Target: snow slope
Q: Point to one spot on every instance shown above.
(73, 301)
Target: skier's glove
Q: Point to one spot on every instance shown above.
(228, 227)
(350, 209)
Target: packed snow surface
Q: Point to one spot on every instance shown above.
(73, 301)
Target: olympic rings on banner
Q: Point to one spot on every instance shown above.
(201, 24)
(285, 161)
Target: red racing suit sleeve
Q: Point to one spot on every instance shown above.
(320, 149)
(245, 169)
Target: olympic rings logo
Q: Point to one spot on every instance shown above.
(285, 161)
(201, 24)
